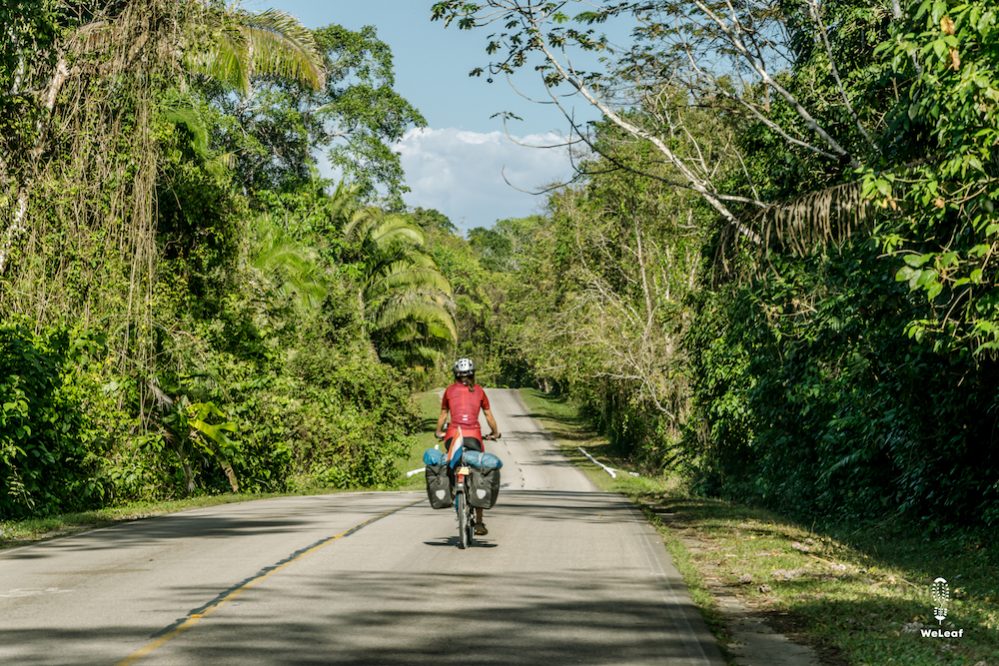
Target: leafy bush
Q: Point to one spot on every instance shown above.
(812, 401)
(53, 436)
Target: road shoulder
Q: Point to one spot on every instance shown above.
(742, 632)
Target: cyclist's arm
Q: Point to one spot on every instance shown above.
(441, 420)
(492, 422)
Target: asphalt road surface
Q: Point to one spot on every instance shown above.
(567, 575)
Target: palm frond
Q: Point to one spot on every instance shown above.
(282, 47)
(420, 312)
(343, 204)
(183, 113)
(225, 58)
(359, 224)
(805, 224)
(294, 267)
(412, 356)
(396, 229)
(405, 274)
(412, 295)
(271, 43)
(802, 226)
(407, 300)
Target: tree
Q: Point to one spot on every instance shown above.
(407, 301)
(293, 266)
(943, 184)
(229, 45)
(353, 118)
(777, 372)
(236, 47)
(726, 56)
(213, 334)
(493, 247)
(477, 291)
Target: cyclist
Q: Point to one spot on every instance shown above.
(462, 401)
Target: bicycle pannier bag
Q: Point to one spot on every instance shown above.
(438, 486)
(483, 487)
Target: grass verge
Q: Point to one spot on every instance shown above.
(428, 405)
(858, 594)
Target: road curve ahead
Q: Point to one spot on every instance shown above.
(567, 575)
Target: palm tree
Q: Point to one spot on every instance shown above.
(241, 45)
(291, 267)
(406, 300)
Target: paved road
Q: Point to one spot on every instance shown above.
(567, 575)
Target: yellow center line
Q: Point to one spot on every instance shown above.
(192, 618)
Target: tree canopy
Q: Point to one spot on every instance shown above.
(183, 306)
(774, 273)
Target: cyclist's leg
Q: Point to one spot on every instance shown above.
(474, 444)
(450, 470)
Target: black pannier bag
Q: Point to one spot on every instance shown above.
(483, 487)
(438, 486)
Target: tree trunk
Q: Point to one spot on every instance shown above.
(188, 474)
(19, 224)
(16, 228)
(230, 474)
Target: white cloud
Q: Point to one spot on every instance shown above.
(460, 173)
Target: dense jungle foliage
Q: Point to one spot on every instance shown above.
(776, 270)
(186, 306)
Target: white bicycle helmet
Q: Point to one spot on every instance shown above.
(463, 366)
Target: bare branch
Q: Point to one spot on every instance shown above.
(759, 115)
(813, 6)
(698, 185)
(734, 35)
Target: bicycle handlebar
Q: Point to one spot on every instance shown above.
(490, 437)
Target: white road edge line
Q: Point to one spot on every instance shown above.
(607, 469)
(414, 472)
(655, 549)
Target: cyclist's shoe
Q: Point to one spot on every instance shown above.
(480, 529)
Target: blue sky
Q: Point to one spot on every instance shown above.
(457, 163)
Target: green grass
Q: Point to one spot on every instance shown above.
(856, 593)
(428, 404)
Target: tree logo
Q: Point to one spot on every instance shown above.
(940, 592)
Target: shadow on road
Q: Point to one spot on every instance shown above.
(452, 542)
(377, 617)
(545, 618)
(561, 505)
(238, 520)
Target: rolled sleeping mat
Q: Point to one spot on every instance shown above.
(481, 460)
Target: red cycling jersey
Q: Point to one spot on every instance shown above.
(464, 403)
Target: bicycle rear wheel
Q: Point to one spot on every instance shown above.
(463, 522)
